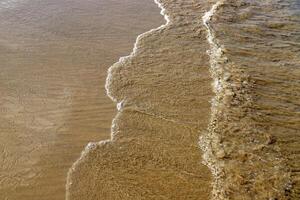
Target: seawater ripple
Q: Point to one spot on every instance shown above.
(162, 91)
(249, 158)
(153, 152)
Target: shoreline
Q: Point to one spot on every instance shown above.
(101, 155)
(228, 161)
(54, 61)
(119, 104)
(162, 93)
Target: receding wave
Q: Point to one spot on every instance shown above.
(162, 90)
(252, 144)
(169, 90)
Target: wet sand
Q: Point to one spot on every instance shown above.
(208, 103)
(244, 57)
(54, 57)
(163, 91)
(254, 132)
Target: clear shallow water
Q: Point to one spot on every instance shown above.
(236, 71)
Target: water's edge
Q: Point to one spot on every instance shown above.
(119, 104)
(207, 138)
(229, 162)
(240, 153)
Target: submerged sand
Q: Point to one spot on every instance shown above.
(207, 103)
(54, 57)
(163, 90)
(249, 133)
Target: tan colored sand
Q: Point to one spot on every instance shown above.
(53, 61)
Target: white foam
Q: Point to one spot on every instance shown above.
(216, 55)
(134, 51)
(119, 103)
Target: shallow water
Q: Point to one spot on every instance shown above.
(163, 89)
(256, 116)
(227, 71)
(54, 57)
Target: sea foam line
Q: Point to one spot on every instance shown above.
(132, 54)
(207, 139)
(210, 141)
(92, 145)
(120, 104)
